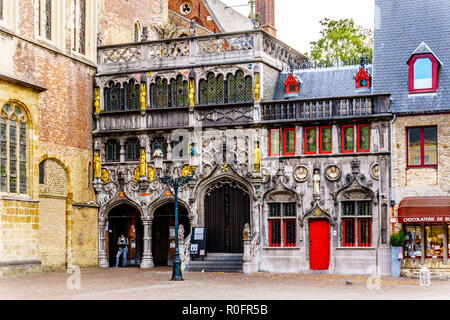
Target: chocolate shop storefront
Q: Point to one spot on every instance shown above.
(426, 224)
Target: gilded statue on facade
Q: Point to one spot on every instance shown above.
(257, 157)
(97, 100)
(143, 95)
(105, 175)
(142, 163)
(191, 93)
(97, 166)
(257, 87)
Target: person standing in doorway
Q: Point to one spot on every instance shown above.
(123, 250)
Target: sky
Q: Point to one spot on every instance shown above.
(297, 21)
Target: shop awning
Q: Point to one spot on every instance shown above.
(424, 209)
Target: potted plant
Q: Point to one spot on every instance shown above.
(397, 241)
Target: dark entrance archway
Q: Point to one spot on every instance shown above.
(227, 209)
(163, 232)
(125, 219)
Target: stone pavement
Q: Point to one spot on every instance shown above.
(155, 284)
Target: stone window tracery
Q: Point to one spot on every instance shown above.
(79, 26)
(13, 150)
(356, 218)
(122, 98)
(234, 89)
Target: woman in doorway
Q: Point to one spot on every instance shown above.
(123, 250)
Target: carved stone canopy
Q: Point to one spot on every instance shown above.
(317, 212)
(281, 193)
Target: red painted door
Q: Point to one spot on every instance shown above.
(319, 244)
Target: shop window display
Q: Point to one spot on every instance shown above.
(434, 237)
(413, 244)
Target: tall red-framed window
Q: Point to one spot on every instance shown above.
(348, 232)
(347, 139)
(310, 140)
(365, 232)
(289, 141)
(325, 139)
(421, 148)
(423, 70)
(363, 138)
(356, 223)
(274, 142)
(282, 224)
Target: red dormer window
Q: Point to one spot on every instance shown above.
(362, 79)
(423, 69)
(291, 84)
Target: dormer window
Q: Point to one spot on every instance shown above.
(362, 79)
(423, 73)
(291, 84)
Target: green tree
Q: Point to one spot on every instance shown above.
(341, 40)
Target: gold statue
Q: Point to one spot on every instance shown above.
(97, 100)
(151, 173)
(191, 93)
(105, 175)
(257, 87)
(97, 166)
(137, 174)
(143, 94)
(257, 158)
(142, 163)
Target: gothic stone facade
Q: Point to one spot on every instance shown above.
(209, 101)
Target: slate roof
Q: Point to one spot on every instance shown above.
(404, 28)
(226, 18)
(323, 82)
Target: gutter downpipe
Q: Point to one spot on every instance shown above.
(392, 200)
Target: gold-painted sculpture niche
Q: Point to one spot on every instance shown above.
(187, 170)
(97, 100)
(257, 158)
(97, 166)
(143, 95)
(257, 87)
(105, 176)
(191, 92)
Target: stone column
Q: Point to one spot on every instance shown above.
(147, 259)
(246, 268)
(102, 256)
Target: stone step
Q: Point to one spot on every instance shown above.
(217, 262)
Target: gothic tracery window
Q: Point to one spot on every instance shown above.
(216, 90)
(124, 97)
(44, 17)
(159, 92)
(13, 149)
(179, 92)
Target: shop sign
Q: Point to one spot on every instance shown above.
(423, 219)
(393, 220)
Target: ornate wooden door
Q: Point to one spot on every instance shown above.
(319, 244)
(227, 209)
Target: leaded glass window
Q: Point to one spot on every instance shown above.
(282, 224)
(132, 151)
(347, 138)
(212, 89)
(310, 140)
(13, 150)
(239, 88)
(325, 139)
(122, 98)
(179, 92)
(159, 92)
(132, 95)
(82, 27)
(363, 138)
(112, 151)
(23, 157)
(356, 223)
(3, 160)
(289, 141)
(274, 142)
(48, 19)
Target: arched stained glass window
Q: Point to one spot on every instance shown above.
(120, 98)
(212, 89)
(240, 88)
(13, 149)
(179, 92)
(159, 93)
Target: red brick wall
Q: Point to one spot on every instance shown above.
(266, 8)
(202, 19)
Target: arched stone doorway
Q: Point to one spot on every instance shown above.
(163, 232)
(125, 219)
(226, 211)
